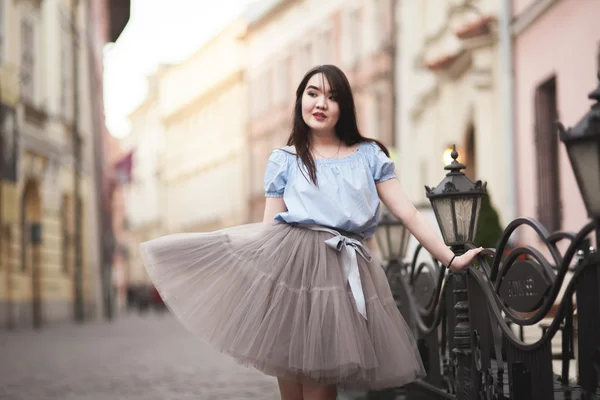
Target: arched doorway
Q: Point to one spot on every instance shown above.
(470, 150)
(7, 259)
(31, 224)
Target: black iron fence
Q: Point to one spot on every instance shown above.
(466, 322)
(470, 325)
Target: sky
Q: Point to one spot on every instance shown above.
(158, 32)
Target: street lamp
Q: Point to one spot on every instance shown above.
(447, 155)
(392, 237)
(456, 202)
(583, 146)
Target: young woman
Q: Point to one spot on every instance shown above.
(298, 296)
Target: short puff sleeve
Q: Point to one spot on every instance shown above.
(382, 167)
(276, 174)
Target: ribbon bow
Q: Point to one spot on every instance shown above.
(348, 248)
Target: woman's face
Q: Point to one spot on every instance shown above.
(320, 110)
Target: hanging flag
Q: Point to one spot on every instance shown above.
(122, 169)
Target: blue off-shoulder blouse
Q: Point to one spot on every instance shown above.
(345, 198)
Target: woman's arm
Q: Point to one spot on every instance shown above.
(273, 206)
(392, 195)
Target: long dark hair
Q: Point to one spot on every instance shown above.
(346, 128)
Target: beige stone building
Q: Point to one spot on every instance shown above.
(202, 104)
(49, 247)
(451, 91)
(144, 195)
(285, 38)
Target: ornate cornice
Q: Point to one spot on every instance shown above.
(481, 27)
(478, 32)
(535, 10)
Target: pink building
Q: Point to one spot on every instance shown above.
(285, 38)
(556, 59)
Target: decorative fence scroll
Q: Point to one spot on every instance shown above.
(465, 321)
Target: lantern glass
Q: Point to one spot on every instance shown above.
(467, 214)
(398, 240)
(457, 217)
(382, 238)
(392, 238)
(444, 213)
(585, 159)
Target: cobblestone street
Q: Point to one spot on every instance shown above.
(137, 357)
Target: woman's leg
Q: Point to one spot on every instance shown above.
(290, 390)
(319, 392)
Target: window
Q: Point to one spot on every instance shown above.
(302, 62)
(260, 154)
(28, 60)
(267, 94)
(377, 117)
(307, 57)
(354, 35)
(546, 143)
(66, 70)
(276, 88)
(281, 81)
(262, 92)
(424, 14)
(253, 89)
(598, 58)
(324, 48)
(423, 174)
(7, 247)
(2, 34)
(289, 83)
(471, 150)
(65, 216)
(377, 23)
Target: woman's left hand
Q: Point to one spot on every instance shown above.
(461, 262)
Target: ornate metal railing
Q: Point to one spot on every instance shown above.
(463, 321)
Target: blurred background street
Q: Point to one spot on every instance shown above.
(125, 120)
(139, 357)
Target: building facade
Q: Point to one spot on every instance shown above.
(285, 38)
(144, 214)
(49, 224)
(202, 106)
(107, 20)
(556, 60)
(450, 91)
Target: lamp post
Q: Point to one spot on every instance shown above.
(456, 202)
(583, 147)
(392, 238)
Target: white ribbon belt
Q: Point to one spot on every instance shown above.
(348, 248)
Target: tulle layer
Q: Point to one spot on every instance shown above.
(274, 297)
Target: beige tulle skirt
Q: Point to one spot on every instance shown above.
(274, 297)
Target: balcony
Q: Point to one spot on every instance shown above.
(9, 85)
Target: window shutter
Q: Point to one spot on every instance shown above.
(547, 163)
